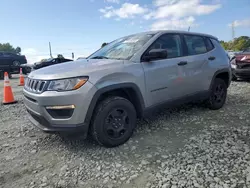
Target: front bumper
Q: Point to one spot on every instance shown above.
(241, 73)
(42, 118)
(45, 126)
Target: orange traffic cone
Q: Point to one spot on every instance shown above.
(21, 78)
(8, 97)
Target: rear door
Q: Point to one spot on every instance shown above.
(197, 63)
(214, 61)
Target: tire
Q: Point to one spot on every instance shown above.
(24, 70)
(218, 95)
(113, 122)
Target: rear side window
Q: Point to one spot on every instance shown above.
(195, 44)
(209, 44)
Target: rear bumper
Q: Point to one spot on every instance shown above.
(241, 73)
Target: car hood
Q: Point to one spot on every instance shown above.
(26, 65)
(69, 69)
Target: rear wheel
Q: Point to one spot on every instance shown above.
(218, 95)
(16, 63)
(113, 122)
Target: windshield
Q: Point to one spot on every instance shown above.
(123, 48)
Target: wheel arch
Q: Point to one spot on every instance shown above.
(224, 74)
(129, 91)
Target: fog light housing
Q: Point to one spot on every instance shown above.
(61, 112)
(61, 107)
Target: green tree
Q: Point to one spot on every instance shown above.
(224, 45)
(7, 47)
(238, 44)
(241, 43)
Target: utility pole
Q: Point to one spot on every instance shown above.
(50, 50)
(188, 28)
(233, 31)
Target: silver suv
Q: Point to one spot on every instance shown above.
(105, 93)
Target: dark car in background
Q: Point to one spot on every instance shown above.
(48, 62)
(10, 62)
(240, 64)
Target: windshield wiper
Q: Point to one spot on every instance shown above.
(99, 57)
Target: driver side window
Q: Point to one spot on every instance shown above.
(169, 42)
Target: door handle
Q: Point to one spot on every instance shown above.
(211, 58)
(182, 63)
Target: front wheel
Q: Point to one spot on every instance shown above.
(113, 122)
(218, 94)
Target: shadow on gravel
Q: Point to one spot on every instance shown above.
(75, 143)
(237, 99)
(168, 113)
(72, 142)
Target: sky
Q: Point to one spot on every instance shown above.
(81, 26)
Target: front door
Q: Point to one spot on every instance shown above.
(164, 76)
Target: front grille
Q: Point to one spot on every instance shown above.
(242, 64)
(35, 86)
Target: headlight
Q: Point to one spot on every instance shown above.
(67, 84)
(233, 66)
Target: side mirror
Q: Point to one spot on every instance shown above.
(156, 54)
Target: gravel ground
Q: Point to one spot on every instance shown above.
(189, 146)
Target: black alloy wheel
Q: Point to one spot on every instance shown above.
(113, 122)
(218, 94)
(117, 123)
